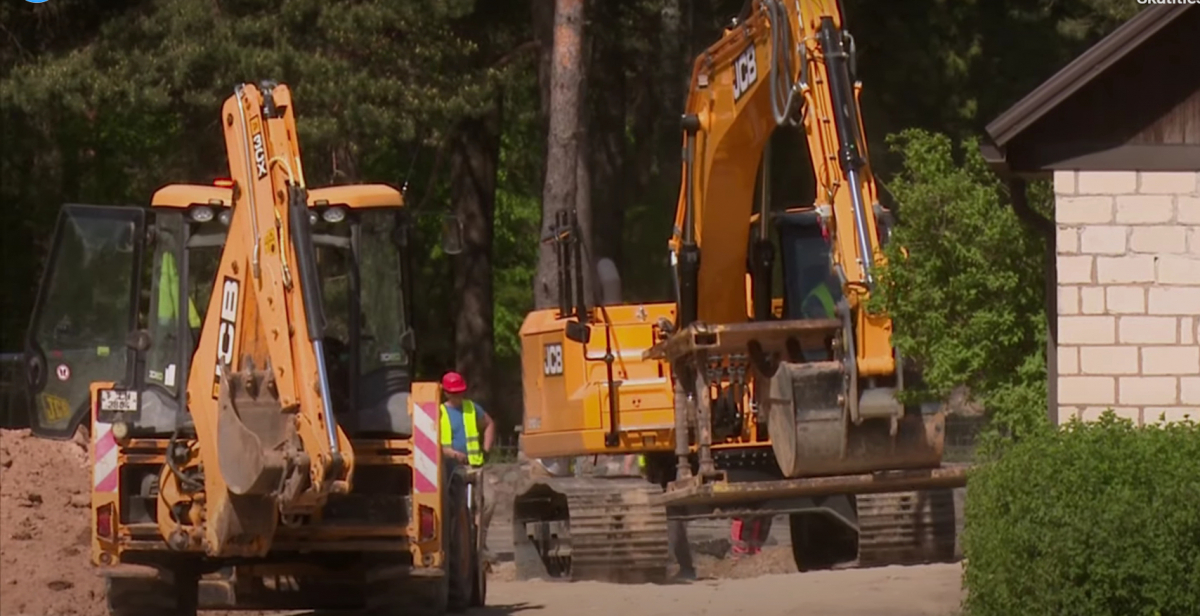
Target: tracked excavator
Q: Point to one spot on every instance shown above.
(759, 390)
(270, 450)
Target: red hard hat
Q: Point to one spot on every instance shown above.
(453, 383)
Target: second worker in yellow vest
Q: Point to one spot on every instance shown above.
(460, 423)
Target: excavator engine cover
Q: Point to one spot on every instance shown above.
(812, 435)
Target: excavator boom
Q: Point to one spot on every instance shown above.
(259, 380)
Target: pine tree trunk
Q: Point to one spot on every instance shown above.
(562, 153)
(474, 157)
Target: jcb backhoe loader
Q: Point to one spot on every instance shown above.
(748, 394)
(242, 356)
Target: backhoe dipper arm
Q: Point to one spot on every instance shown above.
(259, 392)
(788, 62)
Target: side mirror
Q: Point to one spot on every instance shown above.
(578, 332)
(139, 340)
(452, 234)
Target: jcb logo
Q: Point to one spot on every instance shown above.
(227, 332)
(745, 73)
(552, 364)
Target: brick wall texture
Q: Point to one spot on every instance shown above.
(1129, 294)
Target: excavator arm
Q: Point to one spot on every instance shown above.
(787, 64)
(259, 389)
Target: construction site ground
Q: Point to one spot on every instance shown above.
(45, 570)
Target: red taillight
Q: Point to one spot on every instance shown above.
(426, 523)
(223, 182)
(104, 521)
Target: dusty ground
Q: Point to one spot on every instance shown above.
(929, 590)
(45, 570)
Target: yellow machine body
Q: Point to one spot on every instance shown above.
(257, 440)
(751, 393)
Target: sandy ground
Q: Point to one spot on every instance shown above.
(45, 570)
(927, 590)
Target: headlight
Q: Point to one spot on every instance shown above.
(312, 218)
(334, 215)
(120, 431)
(201, 213)
(225, 216)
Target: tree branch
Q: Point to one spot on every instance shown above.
(516, 53)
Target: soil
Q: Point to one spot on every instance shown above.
(45, 568)
(44, 538)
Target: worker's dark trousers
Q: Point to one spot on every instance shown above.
(488, 480)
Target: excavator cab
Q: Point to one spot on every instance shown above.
(158, 265)
(83, 313)
(811, 289)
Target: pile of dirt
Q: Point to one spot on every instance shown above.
(771, 560)
(45, 569)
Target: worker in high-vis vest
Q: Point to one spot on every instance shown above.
(820, 302)
(461, 419)
(168, 294)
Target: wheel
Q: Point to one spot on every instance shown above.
(173, 594)
(460, 557)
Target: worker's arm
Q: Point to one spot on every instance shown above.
(449, 452)
(489, 431)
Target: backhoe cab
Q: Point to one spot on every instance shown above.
(207, 490)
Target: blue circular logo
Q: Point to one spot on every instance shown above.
(35, 1)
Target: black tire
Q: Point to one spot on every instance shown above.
(153, 596)
(460, 561)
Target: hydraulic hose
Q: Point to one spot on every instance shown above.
(783, 88)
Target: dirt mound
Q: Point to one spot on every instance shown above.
(45, 568)
(772, 559)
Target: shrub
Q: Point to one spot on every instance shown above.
(1095, 519)
(964, 283)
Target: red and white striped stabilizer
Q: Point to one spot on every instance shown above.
(104, 458)
(425, 447)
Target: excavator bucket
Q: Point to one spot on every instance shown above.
(812, 433)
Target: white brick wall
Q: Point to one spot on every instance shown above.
(1129, 294)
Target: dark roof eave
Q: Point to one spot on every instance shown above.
(1081, 71)
(995, 157)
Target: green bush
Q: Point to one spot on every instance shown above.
(1096, 519)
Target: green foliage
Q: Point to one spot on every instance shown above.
(517, 224)
(965, 281)
(1097, 519)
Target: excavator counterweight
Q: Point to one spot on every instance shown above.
(748, 394)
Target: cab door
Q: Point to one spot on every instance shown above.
(85, 309)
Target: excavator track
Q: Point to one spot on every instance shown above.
(908, 528)
(595, 528)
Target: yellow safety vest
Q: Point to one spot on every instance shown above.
(641, 462)
(821, 292)
(168, 294)
(474, 452)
